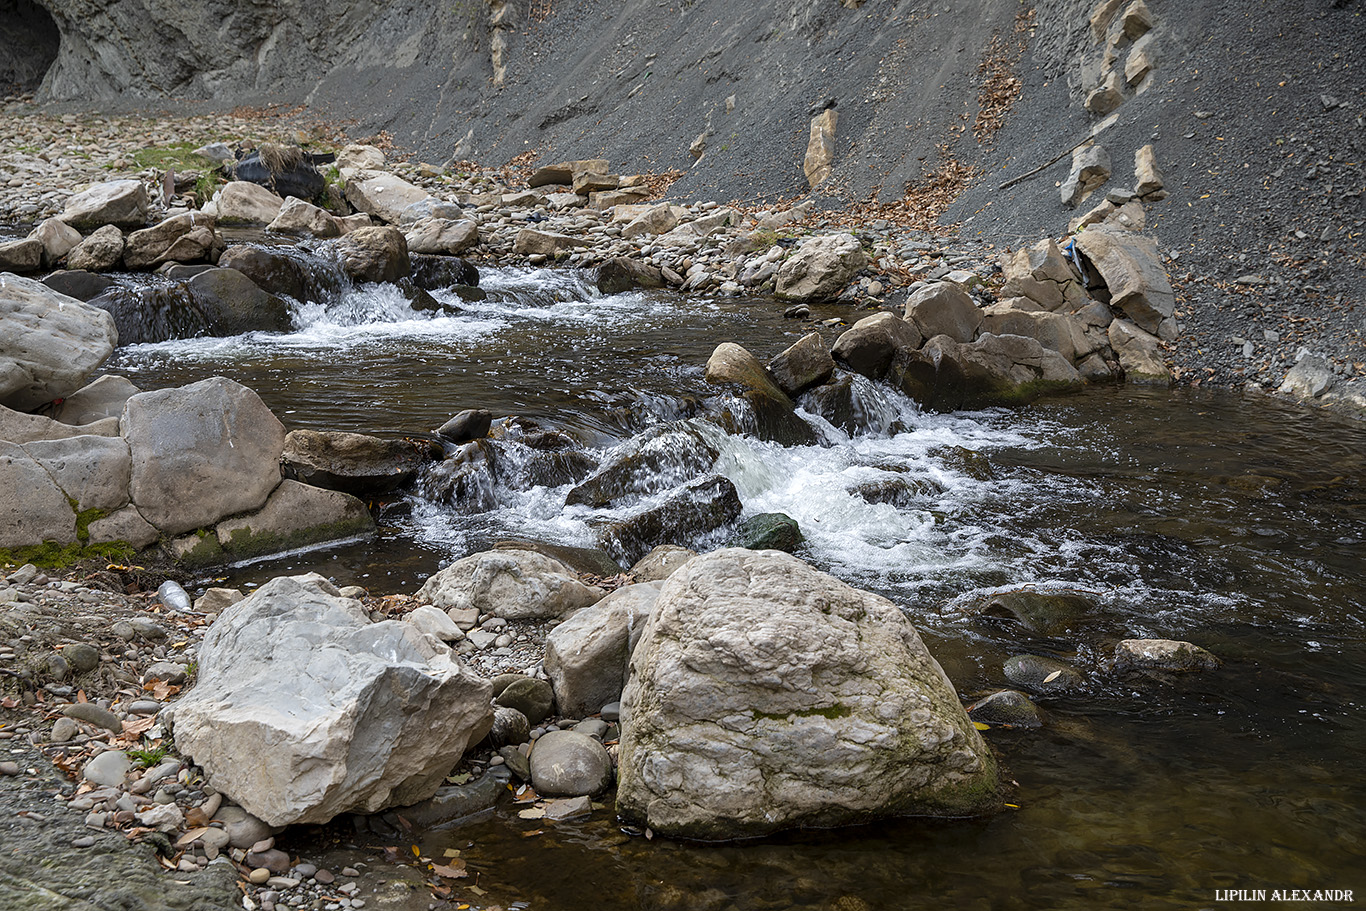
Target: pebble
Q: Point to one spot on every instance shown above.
(88, 711)
(259, 876)
(110, 768)
(9, 768)
(84, 841)
(64, 729)
(325, 877)
(350, 871)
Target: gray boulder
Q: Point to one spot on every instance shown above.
(533, 698)
(766, 695)
(242, 202)
(49, 343)
(383, 196)
(587, 656)
(621, 273)
(294, 515)
(569, 764)
(304, 709)
(1129, 265)
(774, 417)
(1041, 274)
(944, 308)
(868, 347)
(1060, 332)
(530, 242)
(1140, 354)
(1009, 708)
(187, 238)
(805, 364)
(36, 508)
(374, 254)
(441, 235)
(1162, 655)
(102, 399)
(1004, 369)
(820, 268)
(58, 239)
(92, 471)
(1091, 163)
(514, 584)
(78, 283)
(201, 452)
(17, 427)
(100, 252)
(22, 256)
(127, 525)
(122, 203)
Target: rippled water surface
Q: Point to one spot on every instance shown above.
(1237, 523)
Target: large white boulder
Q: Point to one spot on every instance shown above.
(242, 202)
(514, 584)
(201, 452)
(383, 196)
(49, 343)
(35, 510)
(304, 709)
(766, 695)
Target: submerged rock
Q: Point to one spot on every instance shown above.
(685, 514)
(304, 709)
(569, 764)
(1010, 708)
(1044, 612)
(1042, 675)
(766, 695)
(1162, 655)
(658, 459)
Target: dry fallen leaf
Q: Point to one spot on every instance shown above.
(1053, 676)
(192, 835)
(532, 813)
(454, 870)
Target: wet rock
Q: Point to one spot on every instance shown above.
(1042, 675)
(622, 273)
(272, 270)
(820, 268)
(467, 425)
(517, 762)
(869, 346)
(586, 657)
(304, 670)
(864, 723)
(660, 562)
(434, 273)
(1010, 708)
(294, 515)
(994, 370)
(516, 585)
(351, 462)
(686, 514)
(658, 459)
(532, 697)
(454, 802)
(122, 203)
(102, 251)
(944, 308)
(731, 366)
(1162, 655)
(899, 492)
(374, 254)
(1045, 612)
(569, 764)
(50, 343)
(201, 452)
(77, 283)
(768, 531)
(186, 238)
(805, 364)
(584, 560)
(510, 727)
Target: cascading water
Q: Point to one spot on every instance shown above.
(1231, 522)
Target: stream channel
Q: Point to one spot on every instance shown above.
(1230, 521)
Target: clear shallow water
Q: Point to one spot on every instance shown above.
(1235, 523)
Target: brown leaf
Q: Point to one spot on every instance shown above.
(195, 817)
(193, 835)
(453, 870)
(136, 728)
(163, 691)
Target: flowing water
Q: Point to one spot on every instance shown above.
(1233, 522)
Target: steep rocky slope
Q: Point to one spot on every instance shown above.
(1255, 113)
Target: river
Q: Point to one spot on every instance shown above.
(1231, 521)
